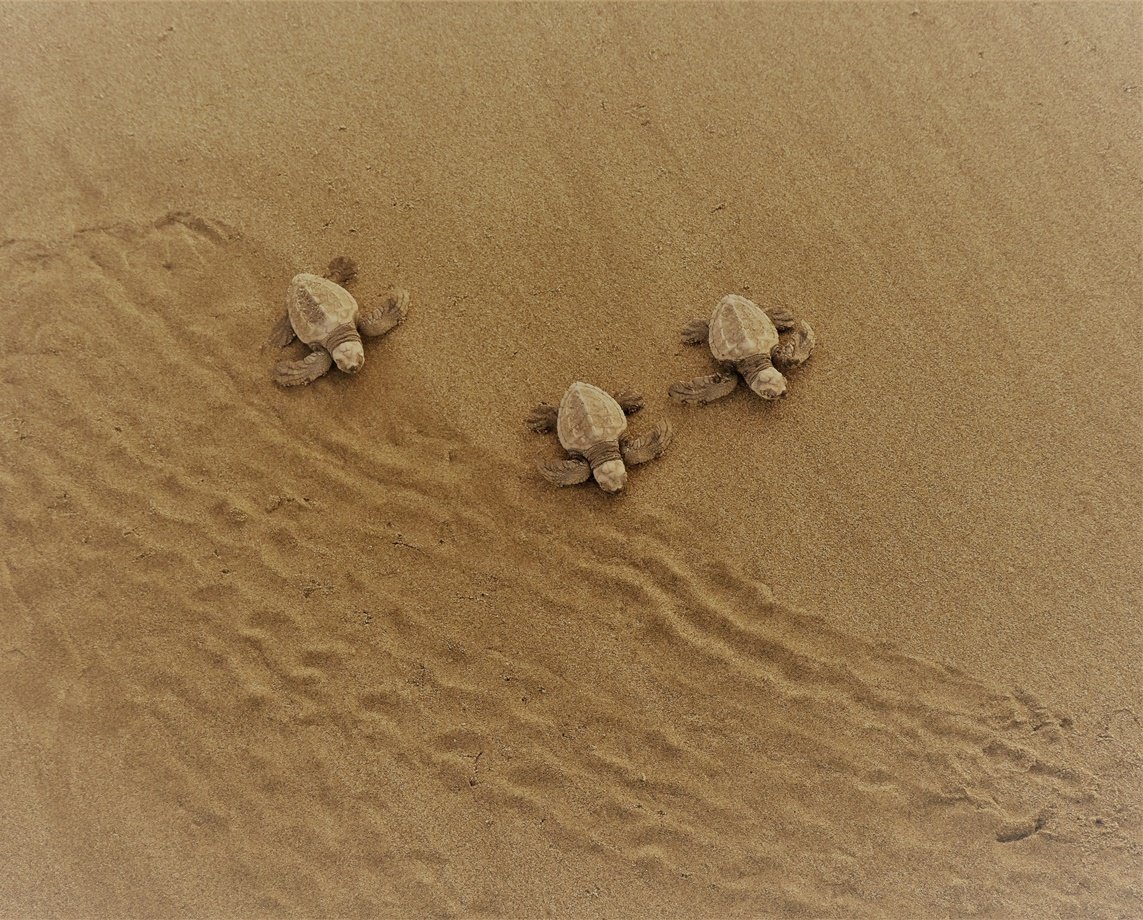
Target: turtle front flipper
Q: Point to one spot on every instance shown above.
(307, 370)
(793, 348)
(342, 270)
(648, 446)
(696, 332)
(703, 390)
(283, 332)
(629, 401)
(543, 418)
(565, 472)
(387, 316)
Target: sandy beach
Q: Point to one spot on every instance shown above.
(872, 650)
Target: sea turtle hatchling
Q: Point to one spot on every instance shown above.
(592, 428)
(325, 316)
(746, 340)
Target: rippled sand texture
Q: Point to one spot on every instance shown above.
(340, 652)
(310, 657)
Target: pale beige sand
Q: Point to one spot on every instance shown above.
(872, 651)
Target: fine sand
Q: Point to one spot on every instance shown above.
(872, 651)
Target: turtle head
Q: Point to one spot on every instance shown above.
(349, 356)
(611, 476)
(768, 383)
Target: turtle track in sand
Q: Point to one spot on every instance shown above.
(314, 652)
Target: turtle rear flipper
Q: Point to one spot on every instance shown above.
(782, 318)
(647, 446)
(629, 401)
(387, 316)
(307, 370)
(565, 472)
(283, 332)
(543, 418)
(696, 332)
(702, 390)
(793, 348)
(342, 270)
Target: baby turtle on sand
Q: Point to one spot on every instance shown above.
(324, 316)
(592, 427)
(748, 341)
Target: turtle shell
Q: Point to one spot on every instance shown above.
(740, 329)
(317, 306)
(588, 416)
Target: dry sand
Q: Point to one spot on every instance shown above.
(871, 651)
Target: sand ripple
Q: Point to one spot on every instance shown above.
(315, 654)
